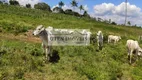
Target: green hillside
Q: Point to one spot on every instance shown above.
(21, 56)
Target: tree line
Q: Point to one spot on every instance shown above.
(46, 7)
(59, 9)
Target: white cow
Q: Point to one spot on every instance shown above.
(132, 47)
(100, 39)
(113, 38)
(43, 34)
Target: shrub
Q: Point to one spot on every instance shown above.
(42, 6)
(58, 10)
(28, 5)
(13, 2)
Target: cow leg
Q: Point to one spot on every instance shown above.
(108, 40)
(98, 43)
(43, 47)
(49, 53)
(137, 55)
(44, 50)
(101, 45)
(46, 55)
(131, 56)
(128, 55)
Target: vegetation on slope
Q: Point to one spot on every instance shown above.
(23, 59)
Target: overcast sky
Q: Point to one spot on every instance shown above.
(106, 9)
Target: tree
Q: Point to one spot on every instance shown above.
(58, 10)
(74, 4)
(85, 14)
(1, 2)
(42, 6)
(100, 19)
(129, 23)
(113, 23)
(61, 4)
(135, 25)
(81, 8)
(28, 5)
(69, 11)
(13, 2)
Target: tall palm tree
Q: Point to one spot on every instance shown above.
(61, 4)
(81, 8)
(74, 4)
(125, 12)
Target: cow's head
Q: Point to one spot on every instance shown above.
(99, 32)
(38, 30)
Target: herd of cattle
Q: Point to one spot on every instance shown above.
(132, 46)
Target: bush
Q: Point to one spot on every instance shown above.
(28, 5)
(69, 11)
(114, 23)
(13, 2)
(58, 10)
(1, 2)
(42, 6)
(85, 14)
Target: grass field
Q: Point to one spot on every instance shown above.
(21, 56)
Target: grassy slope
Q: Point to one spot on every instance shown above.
(22, 59)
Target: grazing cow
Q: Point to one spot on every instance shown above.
(100, 39)
(132, 47)
(113, 38)
(43, 34)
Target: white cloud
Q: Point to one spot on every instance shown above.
(85, 7)
(117, 13)
(132, 10)
(104, 8)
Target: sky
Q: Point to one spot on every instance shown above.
(105, 9)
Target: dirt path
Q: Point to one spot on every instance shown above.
(26, 37)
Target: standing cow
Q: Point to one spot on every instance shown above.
(44, 36)
(133, 46)
(100, 39)
(113, 38)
